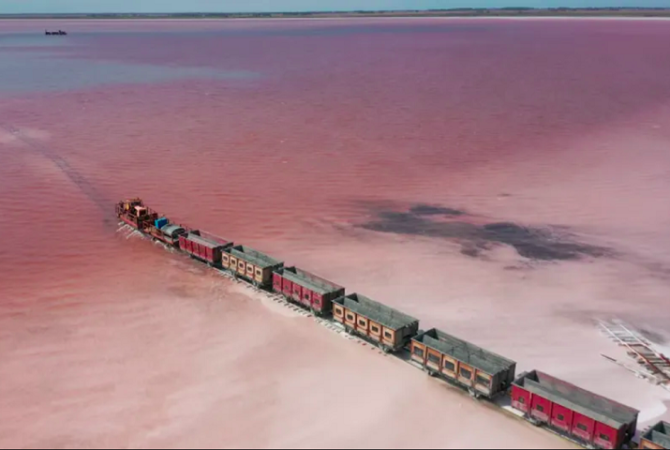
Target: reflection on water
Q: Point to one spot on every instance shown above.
(28, 66)
(41, 72)
(25, 40)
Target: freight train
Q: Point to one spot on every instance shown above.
(579, 415)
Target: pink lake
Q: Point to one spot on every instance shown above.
(504, 180)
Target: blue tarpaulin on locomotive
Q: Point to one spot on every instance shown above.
(161, 222)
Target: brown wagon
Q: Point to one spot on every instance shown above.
(386, 327)
(250, 264)
(482, 372)
(656, 437)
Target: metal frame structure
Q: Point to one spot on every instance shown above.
(657, 364)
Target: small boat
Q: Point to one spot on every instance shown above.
(55, 33)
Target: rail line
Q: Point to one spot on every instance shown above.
(500, 404)
(75, 177)
(657, 364)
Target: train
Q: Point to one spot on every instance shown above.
(583, 417)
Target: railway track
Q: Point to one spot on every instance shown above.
(655, 363)
(127, 232)
(501, 404)
(79, 180)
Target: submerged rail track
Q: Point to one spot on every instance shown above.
(79, 180)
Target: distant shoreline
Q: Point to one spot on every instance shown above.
(465, 13)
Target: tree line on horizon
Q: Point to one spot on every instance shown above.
(508, 10)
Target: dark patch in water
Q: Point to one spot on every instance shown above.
(586, 317)
(470, 250)
(529, 242)
(476, 248)
(431, 210)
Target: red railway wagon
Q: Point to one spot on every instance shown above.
(204, 246)
(583, 415)
(306, 289)
(657, 437)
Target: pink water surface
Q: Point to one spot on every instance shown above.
(286, 135)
